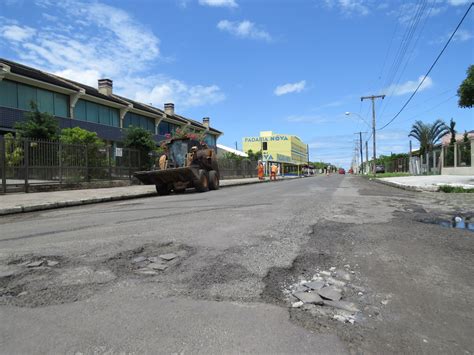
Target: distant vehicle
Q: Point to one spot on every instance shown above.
(190, 164)
(351, 171)
(342, 171)
(379, 169)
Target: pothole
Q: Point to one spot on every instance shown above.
(34, 281)
(328, 293)
(37, 280)
(149, 260)
(456, 222)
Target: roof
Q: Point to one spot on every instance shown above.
(446, 139)
(23, 70)
(232, 150)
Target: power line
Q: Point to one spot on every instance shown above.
(407, 61)
(405, 43)
(431, 68)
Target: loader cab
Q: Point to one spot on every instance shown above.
(178, 150)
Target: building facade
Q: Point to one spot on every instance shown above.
(288, 151)
(77, 105)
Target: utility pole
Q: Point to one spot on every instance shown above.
(367, 153)
(373, 97)
(361, 151)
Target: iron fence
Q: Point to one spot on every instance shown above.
(448, 156)
(463, 156)
(398, 165)
(32, 162)
(230, 169)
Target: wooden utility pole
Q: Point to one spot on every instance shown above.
(361, 151)
(373, 97)
(367, 153)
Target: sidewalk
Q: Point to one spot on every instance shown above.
(429, 182)
(37, 201)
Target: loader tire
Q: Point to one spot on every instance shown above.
(214, 183)
(202, 183)
(162, 190)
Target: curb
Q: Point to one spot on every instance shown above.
(406, 187)
(62, 204)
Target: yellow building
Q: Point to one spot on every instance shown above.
(288, 151)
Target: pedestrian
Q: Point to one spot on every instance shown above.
(260, 171)
(273, 173)
(163, 162)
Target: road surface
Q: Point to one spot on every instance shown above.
(238, 257)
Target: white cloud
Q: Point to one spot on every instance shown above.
(244, 29)
(307, 119)
(462, 35)
(392, 135)
(349, 7)
(16, 33)
(85, 41)
(172, 90)
(289, 88)
(409, 86)
(219, 3)
(458, 2)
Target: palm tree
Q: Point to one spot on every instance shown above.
(428, 134)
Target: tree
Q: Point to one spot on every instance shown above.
(90, 144)
(81, 136)
(254, 156)
(142, 140)
(466, 150)
(13, 150)
(449, 156)
(466, 89)
(38, 125)
(428, 134)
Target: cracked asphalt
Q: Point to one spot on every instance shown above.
(237, 251)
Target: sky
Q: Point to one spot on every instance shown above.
(288, 66)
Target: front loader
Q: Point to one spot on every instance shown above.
(186, 164)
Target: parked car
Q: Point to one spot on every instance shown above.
(342, 171)
(379, 169)
(351, 171)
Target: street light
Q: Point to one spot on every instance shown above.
(360, 137)
(362, 118)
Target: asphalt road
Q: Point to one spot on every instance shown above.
(240, 252)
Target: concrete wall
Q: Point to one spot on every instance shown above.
(460, 170)
(466, 171)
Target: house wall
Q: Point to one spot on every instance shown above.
(460, 170)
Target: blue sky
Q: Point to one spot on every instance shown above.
(293, 66)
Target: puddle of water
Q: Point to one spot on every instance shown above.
(458, 223)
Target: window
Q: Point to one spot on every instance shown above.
(210, 140)
(135, 120)
(45, 101)
(265, 145)
(104, 115)
(26, 94)
(19, 96)
(8, 94)
(61, 105)
(80, 110)
(92, 112)
(114, 118)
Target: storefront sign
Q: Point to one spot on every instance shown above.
(265, 139)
